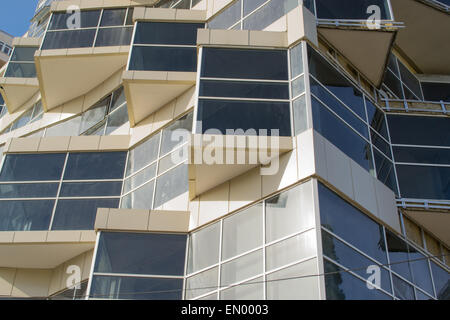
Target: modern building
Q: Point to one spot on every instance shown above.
(227, 149)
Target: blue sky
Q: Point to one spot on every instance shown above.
(15, 15)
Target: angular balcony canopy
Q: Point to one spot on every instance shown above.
(65, 74)
(148, 91)
(368, 50)
(42, 249)
(425, 39)
(438, 221)
(215, 159)
(17, 91)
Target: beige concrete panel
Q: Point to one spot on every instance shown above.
(6, 236)
(56, 279)
(306, 154)
(88, 257)
(6, 281)
(50, 144)
(229, 37)
(139, 13)
(301, 24)
(160, 14)
(123, 130)
(163, 116)
(31, 283)
(179, 203)
(387, 208)
(364, 188)
(63, 236)
(24, 145)
(268, 39)
(286, 175)
(203, 36)
(338, 169)
(166, 221)
(114, 143)
(84, 143)
(245, 189)
(88, 4)
(194, 206)
(185, 102)
(30, 236)
(190, 15)
(142, 130)
(88, 236)
(280, 25)
(128, 219)
(214, 203)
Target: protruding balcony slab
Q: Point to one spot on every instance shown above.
(148, 91)
(42, 249)
(215, 159)
(65, 74)
(425, 39)
(17, 91)
(438, 221)
(368, 50)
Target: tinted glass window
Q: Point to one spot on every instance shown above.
(69, 39)
(141, 253)
(385, 170)
(21, 70)
(398, 255)
(96, 165)
(91, 189)
(436, 91)
(32, 167)
(376, 119)
(352, 225)
(28, 190)
(244, 64)
(268, 14)
(420, 270)
(402, 289)
(224, 115)
(183, 126)
(88, 19)
(350, 9)
(23, 54)
(424, 182)
(113, 37)
(228, 17)
(25, 215)
(171, 185)
(132, 288)
(79, 214)
(441, 280)
(167, 33)
(113, 17)
(240, 89)
(163, 59)
(422, 155)
(433, 131)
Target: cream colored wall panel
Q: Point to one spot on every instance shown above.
(24, 145)
(194, 206)
(185, 101)
(245, 189)
(30, 236)
(55, 281)
(101, 219)
(6, 236)
(179, 203)
(286, 175)
(387, 209)
(169, 221)
(31, 283)
(88, 236)
(229, 37)
(338, 169)
(307, 153)
(128, 219)
(280, 25)
(364, 188)
(214, 204)
(49, 144)
(163, 116)
(7, 276)
(269, 39)
(160, 14)
(114, 143)
(87, 264)
(84, 143)
(63, 236)
(142, 130)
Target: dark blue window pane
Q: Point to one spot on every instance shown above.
(167, 33)
(141, 253)
(410, 80)
(351, 225)
(90, 189)
(114, 37)
(381, 144)
(268, 14)
(28, 190)
(163, 59)
(341, 285)
(227, 17)
(398, 255)
(32, 167)
(339, 108)
(334, 81)
(130, 288)
(350, 9)
(96, 165)
(223, 115)
(245, 64)
(88, 19)
(385, 171)
(113, 17)
(349, 258)
(79, 214)
(402, 289)
(441, 280)
(339, 134)
(69, 39)
(393, 83)
(376, 119)
(420, 270)
(436, 91)
(250, 5)
(21, 70)
(241, 89)
(424, 182)
(171, 185)
(422, 155)
(25, 215)
(23, 54)
(433, 131)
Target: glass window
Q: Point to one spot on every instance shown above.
(88, 19)
(228, 17)
(385, 170)
(420, 270)
(28, 190)
(296, 56)
(25, 215)
(182, 127)
(419, 130)
(268, 14)
(251, 290)
(352, 225)
(140, 178)
(32, 167)
(79, 214)
(422, 155)
(402, 289)
(167, 33)
(410, 80)
(113, 17)
(244, 64)
(143, 154)
(141, 198)
(69, 39)
(202, 283)
(204, 248)
(23, 54)
(341, 285)
(113, 37)
(242, 232)
(95, 165)
(21, 70)
(441, 280)
(242, 268)
(300, 115)
(377, 119)
(136, 288)
(424, 182)
(289, 212)
(117, 119)
(90, 189)
(398, 255)
(171, 185)
(298, 86)
(241, 89)
(381, 144)
(350, 9)
(434, 91)
(232, 115)
(141, 253)
(339, 134)
(163, 59)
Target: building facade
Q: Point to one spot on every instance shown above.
(5, 47)
(227, 149)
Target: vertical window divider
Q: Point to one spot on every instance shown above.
(219, 267)
(98, 27)
(59, 191)
(91, 272)
(388, 261)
